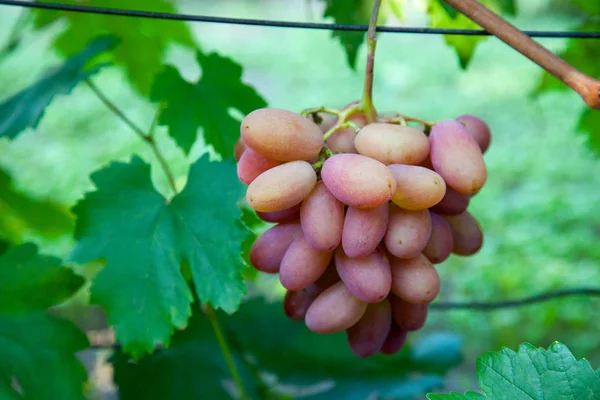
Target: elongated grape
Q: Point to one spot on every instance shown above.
(281, 135)
(453, 203)
(252, 164)
(329, 277)
(392, 144)
(322, 218)
(342, 141)
(334, 310)
(395, 340)
(364, 229)
(440, 243)
(417, 188)
(358, 181)
(415, 280)
(368, 278)
(456, 156)
(408, 232)
(281, 187)
(239, 149)
(325, 121)
(368, 335)
(302, 265)
(295, 304)
(466, 234)
(287, 215)
(478, 129)
(409, 317)
(268, 250)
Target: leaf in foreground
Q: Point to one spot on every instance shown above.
(37, 350)
(144, 41)
(193, 366)
(144, 240)
(26, 108)
(533, 373)
(206, 103)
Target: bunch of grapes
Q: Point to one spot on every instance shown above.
(363, 211)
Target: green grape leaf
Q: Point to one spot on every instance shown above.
(20, 213)
(144, 239)
(444, 16)
(456, 396)
(534, 373)
(144, 41)
(32, 341)
(349, 12)
(589, 7)
(206, 103)
(589, 124)
(26, 108)
(193, 367)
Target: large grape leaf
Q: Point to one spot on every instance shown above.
(26, 108)
(443, 15)
(36, 350)
(260, 334)
(20, 213)
(144, 239)
(533, 373)
(206, 103)
(144, 41)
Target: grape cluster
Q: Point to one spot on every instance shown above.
(362, 216)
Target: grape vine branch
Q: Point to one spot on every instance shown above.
(587, 87)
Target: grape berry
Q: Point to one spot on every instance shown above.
(361, 216)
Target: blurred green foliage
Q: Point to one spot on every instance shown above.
(539, 209)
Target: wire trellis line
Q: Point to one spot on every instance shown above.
(496, 305)
(282, 24)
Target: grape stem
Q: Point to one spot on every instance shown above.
(149, 138)
(401, 119)
(367, 97)
(316, 110)
(587, 87)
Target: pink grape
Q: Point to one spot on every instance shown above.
(417, 188)
(281, 187)
(239, 149)
(453, 203)
(287, 215)
(295, 304)
(456, 156)
(368, 278)
(440, 243)
(334, 310)
(392, 144)
(363, 230)
(369, 334)
(322, 218)
(268, 250)
(302, 265)
(409, 317)
(466, 234)
(478, 129)
(358, 181)
(329, 277)
(415, 280)
(281, 135)
(395, 340)
(342, 141)
(252, 164)
(408, 232)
